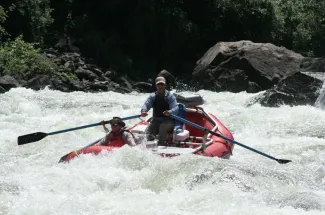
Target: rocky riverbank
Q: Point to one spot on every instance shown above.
(75, 73)
(282, 75)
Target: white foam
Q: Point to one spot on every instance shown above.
(134, 181)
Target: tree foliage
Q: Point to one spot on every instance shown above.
(28, 17)
(149, 35)
(141, 37)
(301, 25)
(3, 17)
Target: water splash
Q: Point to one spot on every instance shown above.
(133, 181)
(320, 102)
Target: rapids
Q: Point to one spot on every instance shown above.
(133, 181)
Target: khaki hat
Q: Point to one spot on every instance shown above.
(117, 120)
(160, 79)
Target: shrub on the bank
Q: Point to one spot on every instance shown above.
(19, 58)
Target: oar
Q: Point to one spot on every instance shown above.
(281, 161)
(62, 159)
(28, 138)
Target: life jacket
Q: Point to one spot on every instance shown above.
(116, 139)
(160, 104)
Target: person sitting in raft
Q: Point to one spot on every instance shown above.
(163, 103)
(118, 135)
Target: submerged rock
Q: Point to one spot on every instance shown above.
(297, 89)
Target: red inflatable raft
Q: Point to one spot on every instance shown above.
(185, 139)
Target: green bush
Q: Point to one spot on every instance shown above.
(20, 59)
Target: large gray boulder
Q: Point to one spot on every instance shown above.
(246, 64)
(143, 87)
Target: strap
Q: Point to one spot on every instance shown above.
(123, 130)
(127, 130)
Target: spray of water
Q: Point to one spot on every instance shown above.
(134, 181)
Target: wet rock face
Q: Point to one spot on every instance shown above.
(170, 82)
(285, 76)
(250, 66)
(232, 80)
(297, 89)
(313, 65)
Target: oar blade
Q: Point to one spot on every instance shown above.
(29, 138)
(283, 161)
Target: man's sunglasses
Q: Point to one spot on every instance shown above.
(115, 124)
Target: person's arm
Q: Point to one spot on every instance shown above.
(148, 103)
(105, 128)
(128, 139)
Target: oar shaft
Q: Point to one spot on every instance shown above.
(90, 125)
(242, 145)
(188, 122)
(219, 135)
(72, 129)
(63, 158)
(93, 143)
(28, 138)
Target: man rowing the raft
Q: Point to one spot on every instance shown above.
(163, 103)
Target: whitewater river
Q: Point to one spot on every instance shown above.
(133, 181)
